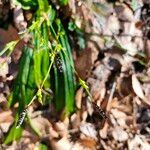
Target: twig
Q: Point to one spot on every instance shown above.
(34, 97)
(111, 97)
(103, 131)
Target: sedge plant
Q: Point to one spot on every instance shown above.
(43, 66)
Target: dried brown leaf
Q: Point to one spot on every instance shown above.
(138, 142)
(78, 98)
(19, 18)
(103, 132)
(138, 89)
(87, 143)
(89, 130)
(83, 62)
(62, 144)
(148, 49)
(42, 125)
(124, 12)
(119, 134)
(6, 116)
(3, 68)
(75, 120)
(61, 129)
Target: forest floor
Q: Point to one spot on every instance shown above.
(112, 54)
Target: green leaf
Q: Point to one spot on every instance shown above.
(37, 56)
(51, 13)
(45, 56)
(13, 97)
(14, 134)
(25, 65)
(69, 87)
(64, 84)
(19, 88)
(30, 92)
(63, 2)
(72, 26)
(67, 70)
(26, 4)
(43, 5)
(59, 91)
(9, 47)
(31, 76)
(37, 67)
(35, 25)
(42, 147)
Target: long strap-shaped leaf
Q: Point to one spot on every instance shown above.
(66, 86)
(20, 85)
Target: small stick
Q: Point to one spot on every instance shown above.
(111, 97)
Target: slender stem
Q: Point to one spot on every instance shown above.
(34, 97)
(50, 66)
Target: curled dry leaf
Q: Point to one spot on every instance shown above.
(84, 116)
(89, 130)
(75, 120)
(89, 108)
(52, 133)
(120, 117)
(118, 114)
(138, 89)
(119, 134)
(103, 132)
(78, 98)
(19, 19)
(61, 129)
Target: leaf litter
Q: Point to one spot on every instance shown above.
(117, 84)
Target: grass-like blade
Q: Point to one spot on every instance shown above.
(13, 134)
